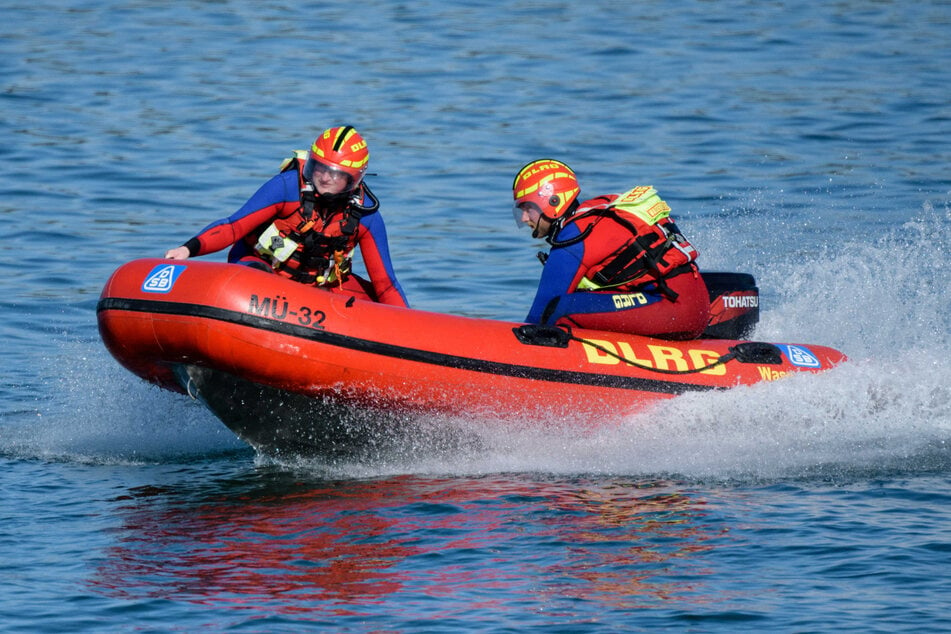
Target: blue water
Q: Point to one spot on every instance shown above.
(806, 143)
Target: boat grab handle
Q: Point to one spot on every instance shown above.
(541, 335)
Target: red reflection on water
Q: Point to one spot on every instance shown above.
(341, 549)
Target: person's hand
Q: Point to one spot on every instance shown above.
(178, 253)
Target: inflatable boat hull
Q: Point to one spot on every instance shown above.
(293, 368)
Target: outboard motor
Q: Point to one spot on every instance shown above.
(734, 305)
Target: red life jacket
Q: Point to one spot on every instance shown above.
(656, 250)
(314, 243)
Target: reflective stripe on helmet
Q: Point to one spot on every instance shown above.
(548, 183)
(342, 148)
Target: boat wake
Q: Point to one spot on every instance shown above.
(885, 303)
(887, 411)
(98, 413)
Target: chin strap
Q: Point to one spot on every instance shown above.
(556, 226)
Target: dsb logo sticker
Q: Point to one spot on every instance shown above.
(162, 278)
(800, 356)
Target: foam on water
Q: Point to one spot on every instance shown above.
(883, 301)
(100, 413)
(792, 139)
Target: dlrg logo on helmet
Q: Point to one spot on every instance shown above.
(547, 183)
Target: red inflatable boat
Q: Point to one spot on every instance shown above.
(291, 368)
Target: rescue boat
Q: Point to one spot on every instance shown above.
(296, 369)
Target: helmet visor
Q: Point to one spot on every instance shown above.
(327, 179)
(526, 214)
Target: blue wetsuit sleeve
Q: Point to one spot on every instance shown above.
(558, 274)
(267, 201)
(375, 250)
(278, 189)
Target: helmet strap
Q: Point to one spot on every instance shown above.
(558, 223)
(333, 198)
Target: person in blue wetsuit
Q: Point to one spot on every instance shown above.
(617, 262)
(306, 221)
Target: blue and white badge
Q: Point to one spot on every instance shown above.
(162, 278)
(800, 356)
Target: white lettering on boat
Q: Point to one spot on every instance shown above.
(740, 301)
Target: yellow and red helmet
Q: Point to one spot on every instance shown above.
(341, 149)
(549, 185)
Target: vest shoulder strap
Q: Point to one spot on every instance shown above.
(293, 161)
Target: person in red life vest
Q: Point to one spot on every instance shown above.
(306, 221)
(617, 262)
